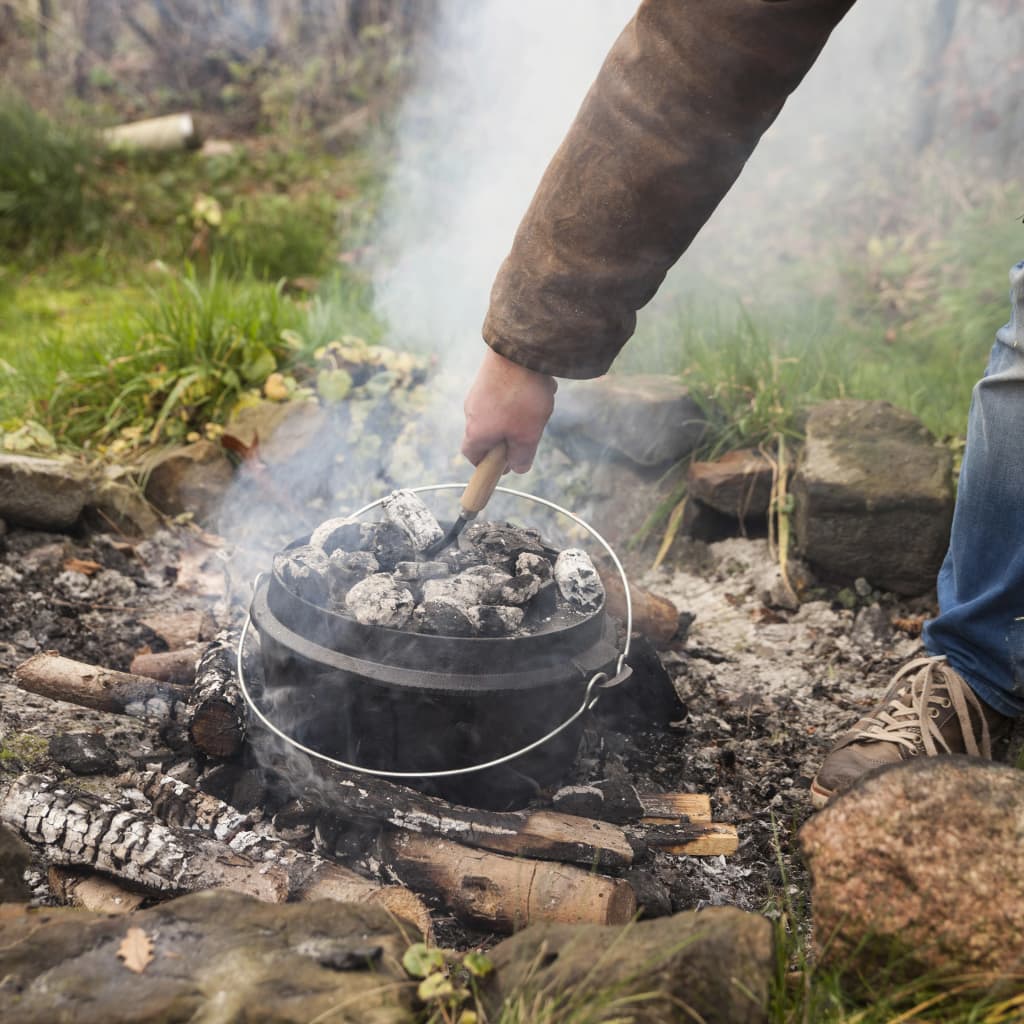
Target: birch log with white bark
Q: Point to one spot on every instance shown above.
(216, 712)
(81, 830)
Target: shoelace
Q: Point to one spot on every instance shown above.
(908, 720)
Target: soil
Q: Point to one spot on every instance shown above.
(763, 689)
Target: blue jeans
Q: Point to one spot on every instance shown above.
(980, 626)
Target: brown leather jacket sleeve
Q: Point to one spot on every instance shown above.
(679, 104)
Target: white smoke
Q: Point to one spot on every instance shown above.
(501, 85)
(502, 80)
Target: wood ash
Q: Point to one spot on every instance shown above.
(497, 580)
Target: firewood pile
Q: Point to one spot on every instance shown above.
(230, 809)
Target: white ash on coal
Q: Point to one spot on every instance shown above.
(305, 570)
(501, 579)
(419, 571)
(578, 580)
(380, 600)
(345, 533)
(347, 568)
(501, 544)
(529, 564)
(407, 511)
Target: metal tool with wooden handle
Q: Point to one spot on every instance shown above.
(476, 495)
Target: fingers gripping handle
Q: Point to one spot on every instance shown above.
(484, 479)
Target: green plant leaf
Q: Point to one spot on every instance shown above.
(258, 363)
(433, 987)
(477, 964)
(420, 960)
(333, 385)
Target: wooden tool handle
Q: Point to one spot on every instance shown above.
(484, 479)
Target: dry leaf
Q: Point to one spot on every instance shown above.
(136, 950)
(85, 567)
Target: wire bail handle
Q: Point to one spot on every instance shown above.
(599, 681)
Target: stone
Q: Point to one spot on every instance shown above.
(739, 484)
(120, 507)
(649, 419)
(41, 493)
(577, 580)
(873, 496)
(84, 753)
(917, 871)
(195, 478)
(380, 600)
(714, 966)
(408, 512)
(14, 861)
(215, 955)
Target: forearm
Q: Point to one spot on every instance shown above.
(681, 101)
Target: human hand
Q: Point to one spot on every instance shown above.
(507, 402)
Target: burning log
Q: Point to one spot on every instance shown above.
(81, 830)
(216, 710)
(506, 893)
(50, 675)
(92, 892)
(177, 667)
(543, 835)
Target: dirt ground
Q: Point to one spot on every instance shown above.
(763, 689)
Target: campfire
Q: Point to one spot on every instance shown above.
(398, 693)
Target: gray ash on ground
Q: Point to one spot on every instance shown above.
(498, 580)
(762, 693)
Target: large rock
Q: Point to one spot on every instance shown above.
(874, 496)
(194, 479)
(716, 964)
(14, 859)
(215, 956)
(738, 484)
(649, 419)
(918, 870)
(41, 493)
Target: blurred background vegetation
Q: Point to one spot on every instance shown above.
(141, 295)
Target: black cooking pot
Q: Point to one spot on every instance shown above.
(394, 701)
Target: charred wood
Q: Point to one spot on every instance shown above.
(177, 804)
(78, 829)
(50, 675)
(506, 893)
(216, 711)
(544, 835)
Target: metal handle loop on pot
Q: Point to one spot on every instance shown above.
(590, 697)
